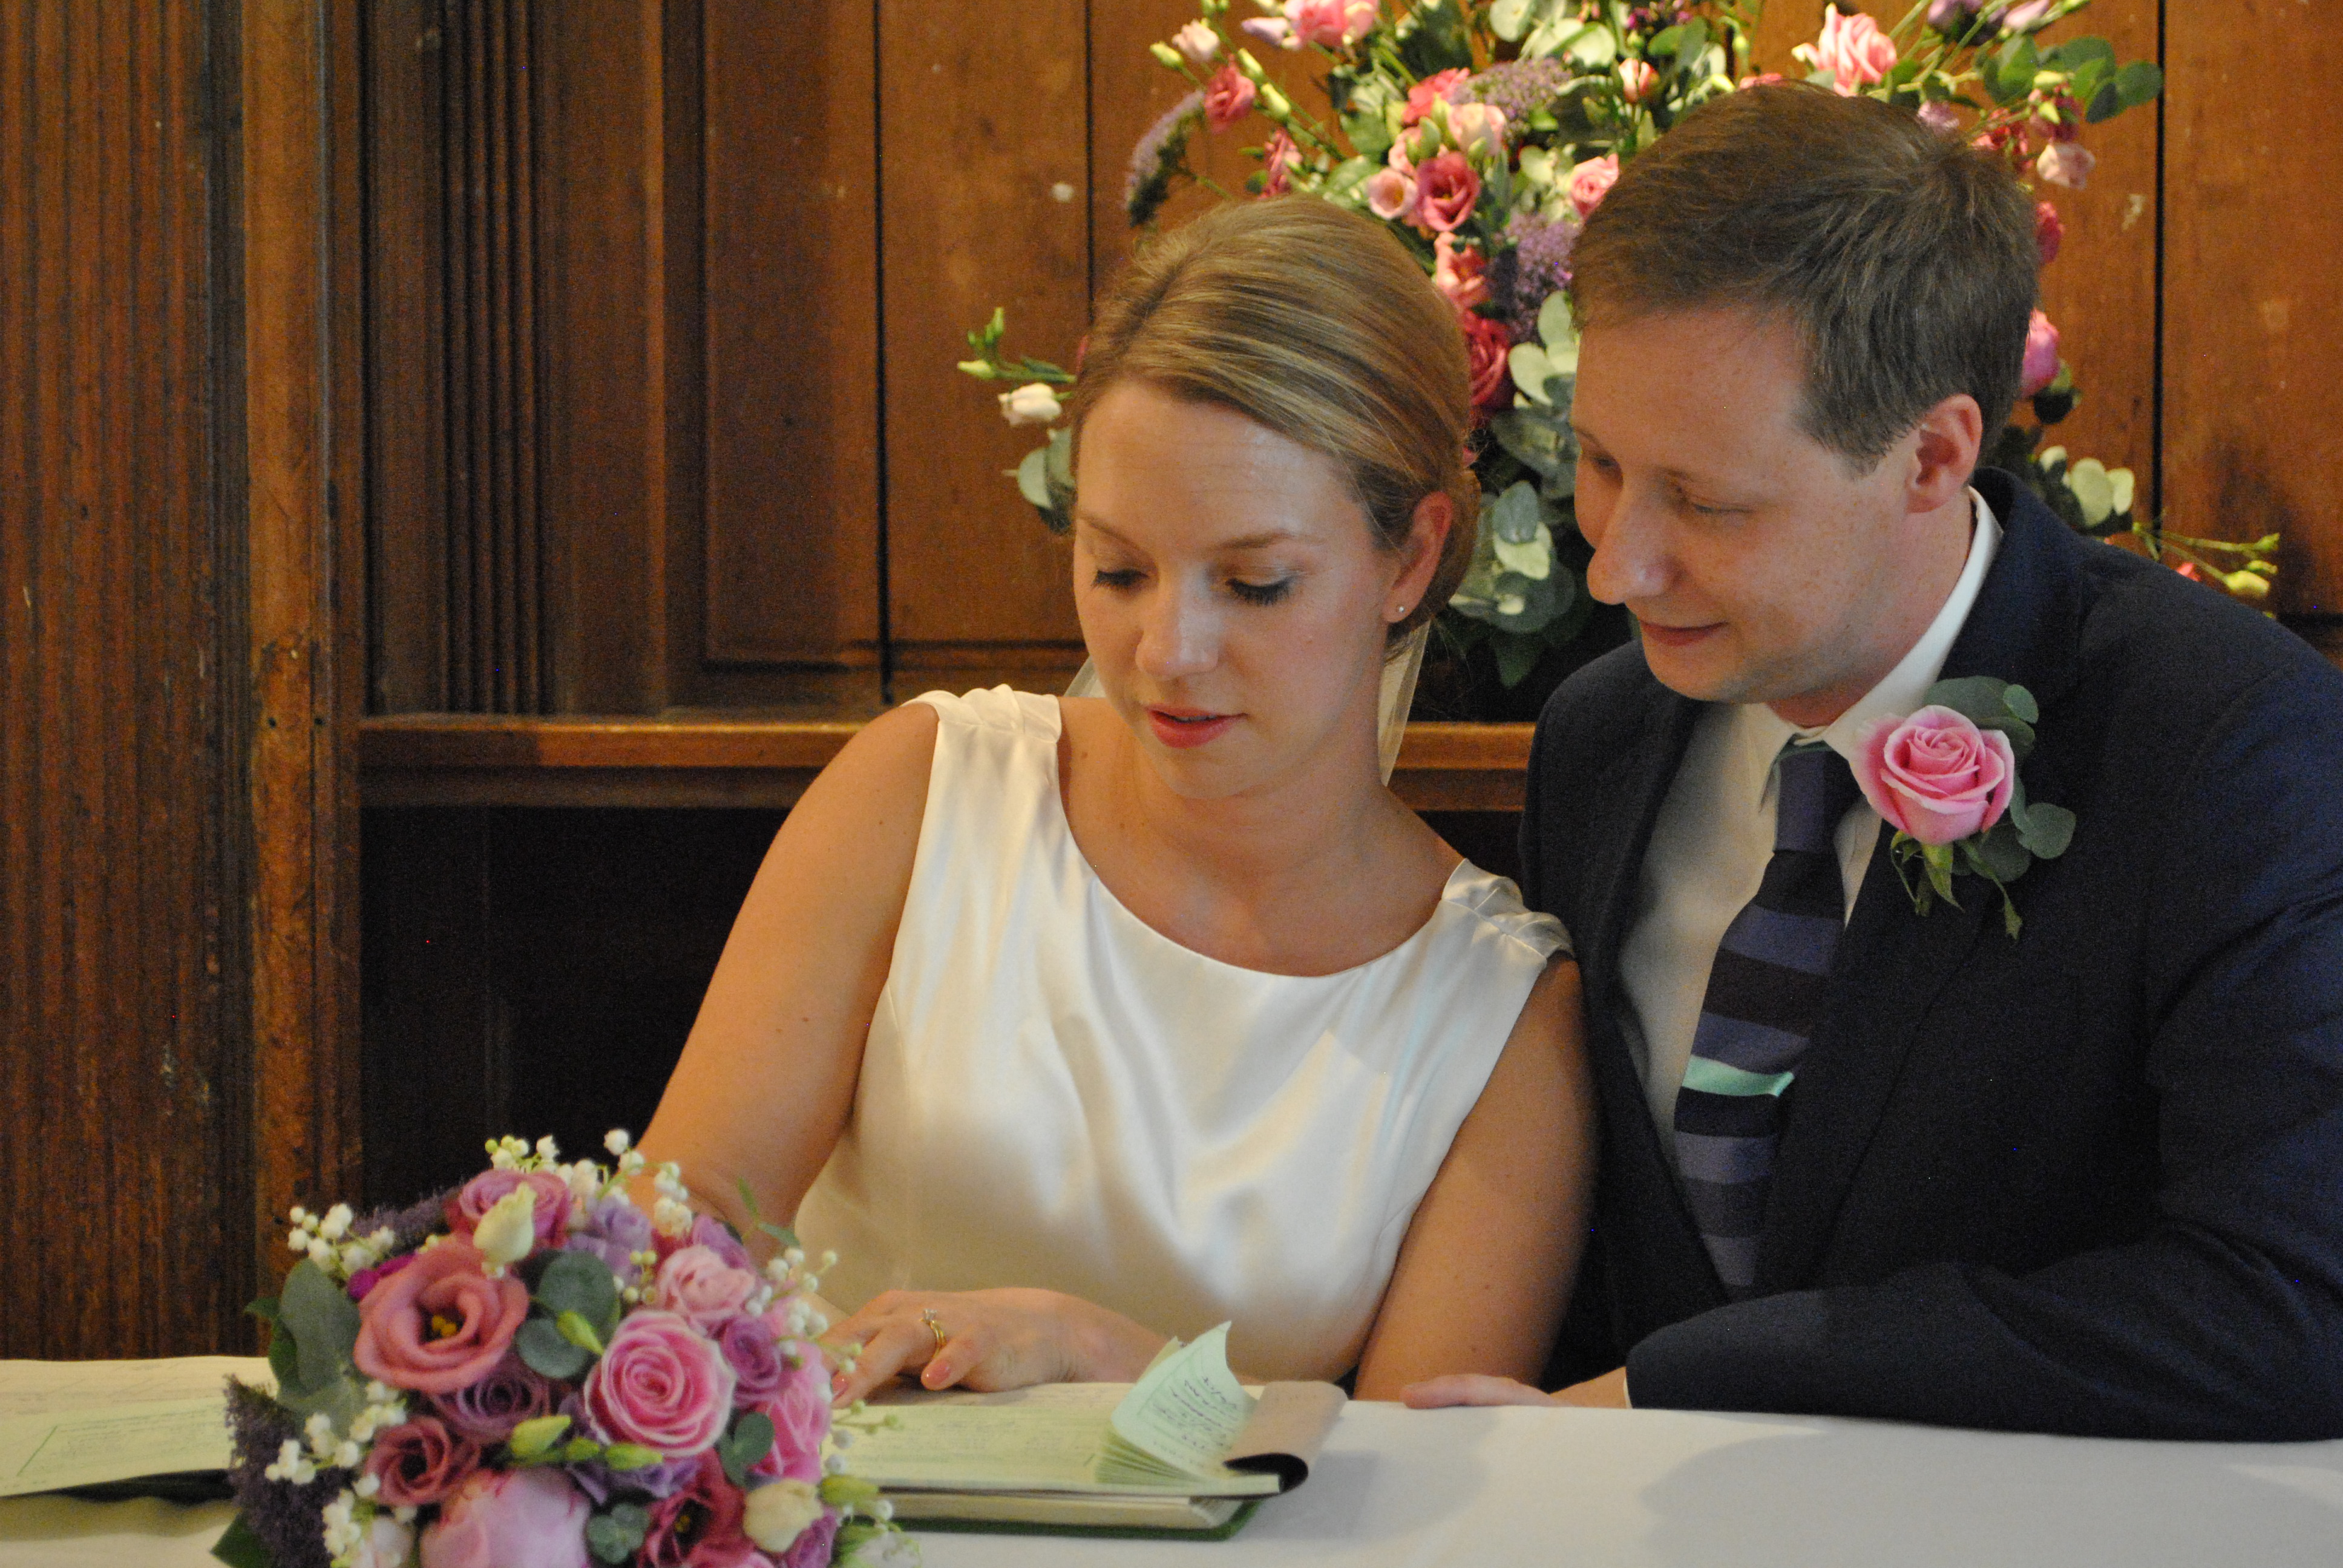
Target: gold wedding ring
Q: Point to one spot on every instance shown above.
(935, 1328)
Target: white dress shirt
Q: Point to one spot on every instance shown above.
(1715, 833)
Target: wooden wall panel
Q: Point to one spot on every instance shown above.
(789, 277)
(985, 163)
(119, 928)
(2253, 411)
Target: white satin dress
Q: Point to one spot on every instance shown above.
(1055, 1094)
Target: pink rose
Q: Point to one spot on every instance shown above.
(2041, 356)
(1441, 87)
(2025, 16)
(481, 1192)
(2067, 163)
(1852, 49)
(1391, 195)
(439, 1324)
(1590, 181)
(1637, 80)
(660, 1384)
(1478, 128)
(531, 1518)
(699, 1524)
(1759, 79)
(697, 1283)
(1459, 272)
(2049, 231)
(1275, 159)
(1330, 24)
(1270, 30)
(1936, 775)
(1489, 350)
(1228, 98)
(1445, 190)
(1940, 118)
(419, 1461)
(800, 1412)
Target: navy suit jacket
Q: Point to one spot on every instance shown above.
(2087, 1180)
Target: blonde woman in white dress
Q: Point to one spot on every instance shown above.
(1075, 1023)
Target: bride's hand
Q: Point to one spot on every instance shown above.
(988, 1340)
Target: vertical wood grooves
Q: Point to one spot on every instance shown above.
(496, 643)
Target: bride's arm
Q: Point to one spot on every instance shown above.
(1487, 1265)
(767, 1078)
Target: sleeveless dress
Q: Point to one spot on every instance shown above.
(1054, 1093)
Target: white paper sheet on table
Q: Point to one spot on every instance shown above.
(74, 1423)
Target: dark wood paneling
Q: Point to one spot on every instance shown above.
(986, 158)
(118, 1008)
(300, 764)
(790, 285)
(2253, 411)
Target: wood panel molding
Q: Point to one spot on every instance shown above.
(463, 759)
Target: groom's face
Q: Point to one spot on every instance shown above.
(1759, 566)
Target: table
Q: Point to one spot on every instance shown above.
(1605, 1488)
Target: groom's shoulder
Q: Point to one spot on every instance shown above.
(1606, 705)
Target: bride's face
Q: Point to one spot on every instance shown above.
(1231, 591)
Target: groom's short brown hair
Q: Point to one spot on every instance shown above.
(1906, 259)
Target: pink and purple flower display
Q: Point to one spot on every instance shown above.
(535, 1371)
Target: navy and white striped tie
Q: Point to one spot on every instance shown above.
(1764, 1001)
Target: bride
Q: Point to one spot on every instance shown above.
(1073, 1024)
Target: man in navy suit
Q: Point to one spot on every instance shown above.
(1859, 1158)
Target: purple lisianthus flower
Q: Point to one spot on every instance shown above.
(600, 1482)
(365, 1280)
(1945, 15)
(758, 1370)
(488, 1411)
(811, 1548)
(714, 1234)
(614, 1231)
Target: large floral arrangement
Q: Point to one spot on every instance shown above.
(534, 1371)
(1483, 134)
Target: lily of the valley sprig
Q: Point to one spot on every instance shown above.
(1945, 778)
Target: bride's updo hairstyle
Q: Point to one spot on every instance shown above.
(1315, 323)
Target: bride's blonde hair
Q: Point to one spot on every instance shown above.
(1315, 323)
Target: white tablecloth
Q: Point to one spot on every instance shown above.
(1596, 1489)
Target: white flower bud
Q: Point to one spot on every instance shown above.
(778, 1511)
(617, 1141)
(508, 1229)
(1031, 404)
(338, 1222)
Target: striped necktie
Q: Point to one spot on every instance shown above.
(1764, 998)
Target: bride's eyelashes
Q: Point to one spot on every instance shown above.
(1255, 593)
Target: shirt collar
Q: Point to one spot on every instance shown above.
(1904, 687)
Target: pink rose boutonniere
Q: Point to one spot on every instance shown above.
(1945, 778)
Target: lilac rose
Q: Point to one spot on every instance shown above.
(614, 1229)
(755, 1354)
(488, 1411)
(714, 1234)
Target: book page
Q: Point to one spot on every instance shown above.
(1188, 1409)
(1044, 1438)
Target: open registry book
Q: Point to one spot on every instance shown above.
(1186, 1449)
(81, 1424)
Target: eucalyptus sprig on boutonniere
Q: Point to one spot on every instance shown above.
(1945, 778)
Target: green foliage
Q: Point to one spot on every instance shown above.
(239, 1546)
(991, 365)
(615, 1537)
(544, 1351)
(750, 1439)
(1046, 479)
(312, 1333)
(782, 1234)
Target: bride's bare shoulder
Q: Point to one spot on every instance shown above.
(878, 780)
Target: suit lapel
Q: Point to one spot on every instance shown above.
(1893, 963)
(1632, 789)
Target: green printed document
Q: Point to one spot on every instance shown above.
(1184, 1449)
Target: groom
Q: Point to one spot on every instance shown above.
(1860, 1159)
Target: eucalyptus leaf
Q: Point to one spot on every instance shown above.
(1558, 330)
(2021, 704)
(1594, 47)
(324, 1322)
(2049, 830)
(1531, 370)
(545, 1353)
(1509, 19)
(1532, 438)
(2001, 854)
(581, 1284)
(2139, 82)
(610, 1540)
(1515, 519)
(1976, 697)
(1516, 657)
(2104, 104)
(750, 1439)
(1033, 477)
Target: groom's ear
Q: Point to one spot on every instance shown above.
(1948, 443)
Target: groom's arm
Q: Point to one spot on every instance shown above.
(2226, 1319)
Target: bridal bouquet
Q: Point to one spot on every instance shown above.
(532, 1371)
(1482, 133)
